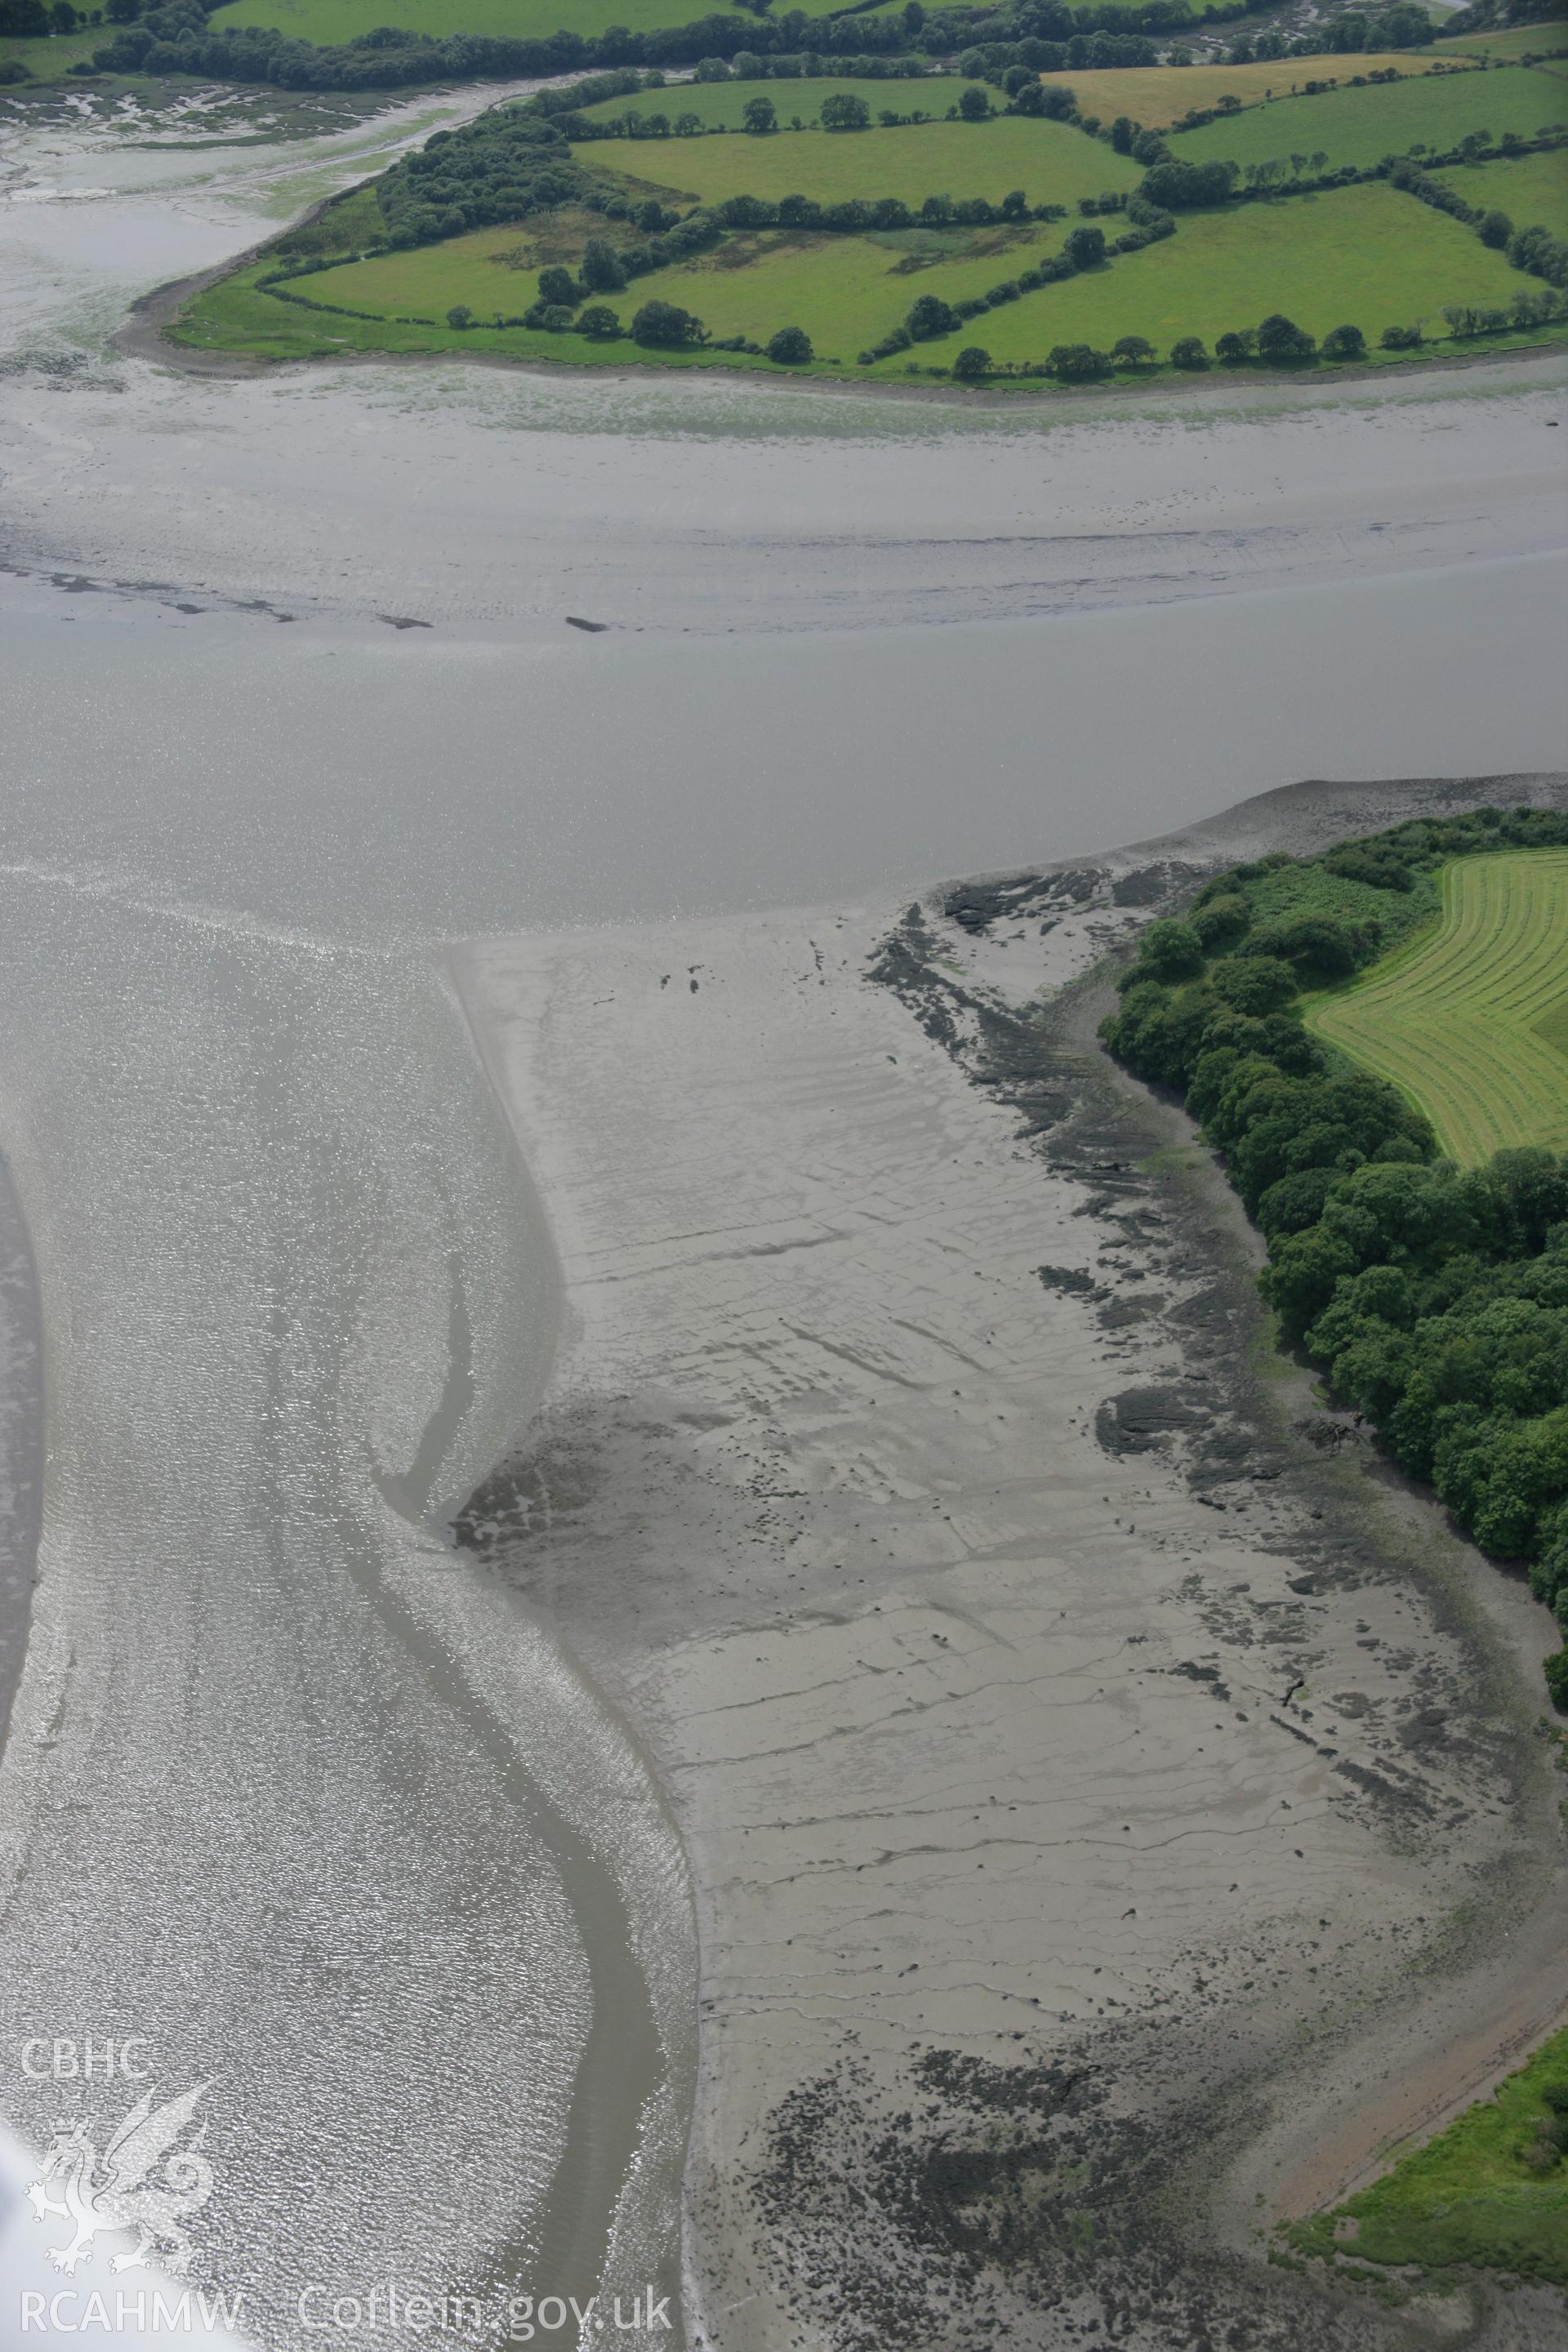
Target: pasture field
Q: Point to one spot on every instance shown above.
(725, 103)
(1469, 1020)
(1519, 41)
(51, 57)
(1532, 190)
(845, 291)
(1470, 2197)
(1362, 126)
(1364, 257)
(1368, 257)
(1365, 254)
(1157, 95)
(1051, 162)
(234, 316)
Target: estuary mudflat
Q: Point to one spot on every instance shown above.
(463, 1069)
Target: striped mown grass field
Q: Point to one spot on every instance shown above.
(1470, 1021)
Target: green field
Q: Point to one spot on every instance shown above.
(716, 103)
(845, 291)
(1366, 254)
(1362, 126)
(1051, 162)
(1157, 95)
(50, 59)
(1484, 2194)
(1532, 190)
(1368, 257)
(331, 21)
(1470, 1022)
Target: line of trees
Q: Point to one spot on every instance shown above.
(568, 301)
(1435, 1298)
(1279, 341)
(854, 215)
(390, 58)
(840, 111)
(1496, 16)
(30, 20)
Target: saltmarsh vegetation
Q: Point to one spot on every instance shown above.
(1435, 1295)
(853, 217)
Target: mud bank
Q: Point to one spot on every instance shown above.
(1092, 1777)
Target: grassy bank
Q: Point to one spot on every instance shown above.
(1490, 2193)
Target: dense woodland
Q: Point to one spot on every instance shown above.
(1435, 1297)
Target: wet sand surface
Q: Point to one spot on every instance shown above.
(509, 501)
(1093, 1781)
